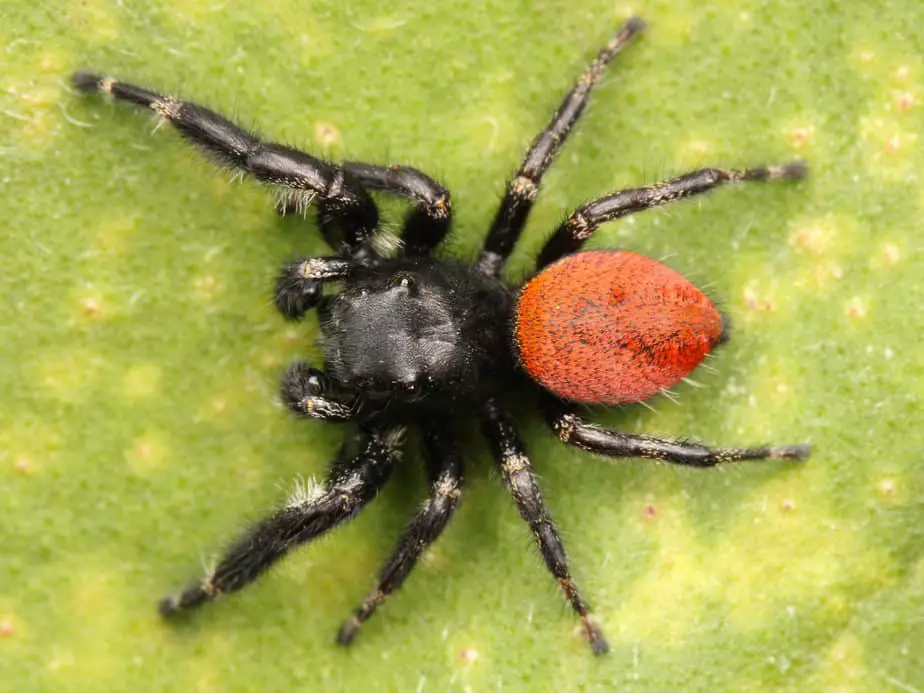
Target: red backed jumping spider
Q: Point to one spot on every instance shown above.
(412, 340)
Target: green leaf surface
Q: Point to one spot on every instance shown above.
(140, 351)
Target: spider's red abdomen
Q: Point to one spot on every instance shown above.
(611, 327)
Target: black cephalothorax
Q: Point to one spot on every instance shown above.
(410, 340)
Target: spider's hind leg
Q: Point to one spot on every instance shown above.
(444, 466)
(356, 477)
(521, 480)
(573, 430)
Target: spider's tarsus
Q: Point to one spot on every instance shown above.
(169, 606)
(792, 452)
(347, 632)
(595, 637)
(634, 24)
(794, 170)
(296, 294)
(599, 646)
(86, 81)
(174, 604)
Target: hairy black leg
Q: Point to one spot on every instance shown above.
(518, 474)
(524, 187)
(577, 228)
(340, 198)
(444, 466)
(575, 431)
(425, 225)
(428, 222)
(299, 286)
(356, 477)
(310, 393)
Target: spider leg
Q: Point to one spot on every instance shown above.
(310, 393)
(524, 187)
(428, 222)
(577, 228)
(573, 430)
(518, 474)
(356, 477)
(299, 285)
(444, 466)
(425, 225)
(341, 199)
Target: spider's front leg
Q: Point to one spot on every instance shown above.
(573, 430)
(343, 202)
(424, 226)
(356, 477)
(428, 222)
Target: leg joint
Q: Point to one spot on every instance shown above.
(514, 463)
(524, 188)
(564, 426)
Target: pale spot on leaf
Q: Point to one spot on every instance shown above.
(856, 308)
(813, 239)
(802, 137)
(90, 306)
(141, 381)
(891, 254)
(147, 453)
(326, 135)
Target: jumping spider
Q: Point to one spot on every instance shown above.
(412, 340)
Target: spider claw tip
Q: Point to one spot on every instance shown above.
(85, 81)
(347, 633)
(793, 452)
(635, 24)
(168, 606)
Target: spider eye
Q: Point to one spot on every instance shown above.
(403, 280)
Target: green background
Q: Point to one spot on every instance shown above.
(141, 354)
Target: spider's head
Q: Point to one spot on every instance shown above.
(612, 327)
(391, 333)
